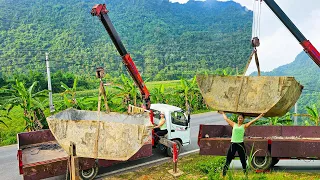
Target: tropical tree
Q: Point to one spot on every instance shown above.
(69, 94)
(127, 90)
(188, 89)
(3, 116)
(277, 120)
(29, 101)
(158, 94)
(312, 114)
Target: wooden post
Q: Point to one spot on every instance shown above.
(100, 74)
(74, 161)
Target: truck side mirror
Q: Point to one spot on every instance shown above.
(189, 118)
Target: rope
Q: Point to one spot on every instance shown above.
(98, 128)
(254, 52)
(257, 62)
(248, 62)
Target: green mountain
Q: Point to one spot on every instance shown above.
(307, 73)
(166, 40)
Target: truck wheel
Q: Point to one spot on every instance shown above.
(89, 174)
(261, 162)
(274, 161)
(162, 149)
(170, 150)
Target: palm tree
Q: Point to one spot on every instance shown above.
(30, 102)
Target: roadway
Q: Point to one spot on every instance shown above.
(9, 164)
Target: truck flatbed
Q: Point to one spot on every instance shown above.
(41, 152)
(267, 144)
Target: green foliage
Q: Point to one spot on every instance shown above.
(211, 167)
(166, 40)
(158, 94)
(69, 94)
(274, 121)
(313, 115)
(128, 90)
(28, 100)
(15, 125)
(2, 116)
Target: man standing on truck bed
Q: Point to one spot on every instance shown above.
(237, 144)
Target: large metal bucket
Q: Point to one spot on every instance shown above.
(250, 95)
(111, 136)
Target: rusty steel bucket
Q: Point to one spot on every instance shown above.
(250, 95)
(111, 136)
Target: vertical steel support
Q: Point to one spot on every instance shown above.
(175, 157)
(51, 106)
(296, 112)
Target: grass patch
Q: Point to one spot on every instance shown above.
(15, 125)
(167, 84)
(206, 167)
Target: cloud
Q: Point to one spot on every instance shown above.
(179, 1)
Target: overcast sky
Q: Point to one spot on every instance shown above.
(278, 45)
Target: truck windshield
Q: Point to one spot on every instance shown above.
(179, 118)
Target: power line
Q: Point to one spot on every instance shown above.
(311, 90)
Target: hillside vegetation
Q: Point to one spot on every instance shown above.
(166, 40)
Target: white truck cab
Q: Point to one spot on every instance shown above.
(178, 123)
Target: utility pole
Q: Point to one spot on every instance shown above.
(296, 112)
(51, 106)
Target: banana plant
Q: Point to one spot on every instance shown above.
(188, 90)
(158, 94)
(69, 94)
(3, 116)
(312, 114)
(277, 120)
(127, 90)
(28, 100)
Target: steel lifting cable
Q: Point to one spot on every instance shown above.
(255, 42)
(256, 18)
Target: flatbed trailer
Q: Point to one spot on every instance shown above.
(40, 156)
(265, 144)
